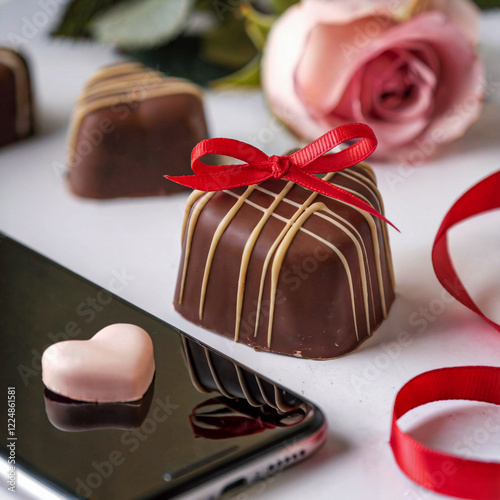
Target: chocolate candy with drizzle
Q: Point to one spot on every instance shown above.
(130, 126)
(16, 102)
(285, 269)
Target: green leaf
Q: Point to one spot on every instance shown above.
(141, 24)
(279, 6)
(488, 4)
(77, 16)
(248, 76)
(181, 58)
(257, 24)
(228, 44)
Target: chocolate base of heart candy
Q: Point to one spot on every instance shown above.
(115, 365)
(285, 269)
(77, 416)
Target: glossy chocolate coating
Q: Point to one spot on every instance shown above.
(16, 102)
(316, 281)
(211, 372)
(131, 127)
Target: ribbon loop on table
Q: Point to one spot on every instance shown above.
(436, 470)
(298, 167)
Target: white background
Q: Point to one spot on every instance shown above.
(356, 392)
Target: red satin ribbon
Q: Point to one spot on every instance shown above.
(482, 197)
(437, 471)
(298, 167)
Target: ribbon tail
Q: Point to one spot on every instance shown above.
(227, 179)
(331, 190)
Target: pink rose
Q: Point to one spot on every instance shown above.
(417, 82)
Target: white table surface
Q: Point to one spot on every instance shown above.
(141, 237)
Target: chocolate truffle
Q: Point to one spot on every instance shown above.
(130, 127)
(285, 269)
(16, 103)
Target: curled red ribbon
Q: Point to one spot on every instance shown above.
(437, 471)
(482, 197)
(298, 167)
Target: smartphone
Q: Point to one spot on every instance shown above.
(206, 426)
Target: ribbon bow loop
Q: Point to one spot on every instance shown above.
(298, 167)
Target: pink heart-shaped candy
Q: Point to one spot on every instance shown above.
(116, 364)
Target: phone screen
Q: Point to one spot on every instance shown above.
(203, 414)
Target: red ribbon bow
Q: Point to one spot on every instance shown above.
(298, 167)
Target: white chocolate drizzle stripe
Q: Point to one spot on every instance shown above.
(220, 387)
(318, 214)
(288, 222)
(270, 254)
(363, 270)
(375, 239)
(247, 253)
(192, 372)
(113, 70)
(244, 388)
(373, 229)
(365, 275)
(190, 230)
(373, 187)
(264, 395)
(280, 256)
(215, 241)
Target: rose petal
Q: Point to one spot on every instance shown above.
(347, 11)
(464, 13)
(331, 57)
(283, 49)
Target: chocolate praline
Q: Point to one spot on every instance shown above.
(130, 127)
(284, 269)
